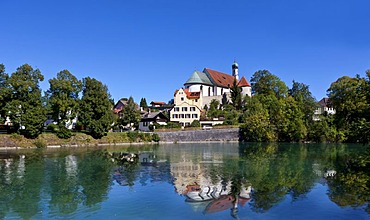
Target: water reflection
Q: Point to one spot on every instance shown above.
(211, 178)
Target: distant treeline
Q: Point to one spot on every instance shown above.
(273, 113)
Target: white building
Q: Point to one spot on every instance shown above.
(200, 89)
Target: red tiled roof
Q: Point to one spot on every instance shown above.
(243, 82)
(221, 79)
(225, 80)
(192, 95)
(157, 103)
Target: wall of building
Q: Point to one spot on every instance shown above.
(231, 134)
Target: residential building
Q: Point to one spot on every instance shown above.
(324, 107)
(149, 118)
(187, 107)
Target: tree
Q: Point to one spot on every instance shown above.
(236, 95)
(143, 103)
(95, 108)
(213, 111)
(264, 82)
(257, 125)
(131, 114)
(63, 99)
(4, 91)
(350, 98)
(306, 102)
(24, 104)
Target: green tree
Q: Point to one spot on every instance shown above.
(131, 114)
(143, 103)
(24, 104)
(257, 125)
(4, 92)
(63, 99)
(213, 110)
(306, 102)
(236, 95)
(95, 108)
(264, 82)
(350, 98)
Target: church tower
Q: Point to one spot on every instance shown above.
(235, 70)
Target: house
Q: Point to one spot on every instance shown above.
(324, 106)
(156, 104)
(150, 118)
(160, 106)
(187, 107)
(118, 107)
(201, 88)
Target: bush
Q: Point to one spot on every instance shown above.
(195, 123)
(63, 132)
(155, 137)
(52, 127)
(40, 143)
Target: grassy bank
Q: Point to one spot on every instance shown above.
(50, 139)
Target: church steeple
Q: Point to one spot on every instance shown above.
(235, 70)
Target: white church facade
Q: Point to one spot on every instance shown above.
(207, 85)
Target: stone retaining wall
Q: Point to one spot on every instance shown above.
(231, 134)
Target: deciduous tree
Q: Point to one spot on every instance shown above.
(95, 108)
(24, 104)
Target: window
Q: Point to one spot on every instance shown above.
(196, 100)
(176, 109)
(187, 116)
(192, 109)
(194, 115)
(175, 116)
(184, 109)
(145, 124)
(182, 98)
(181, 115)
(187, 124)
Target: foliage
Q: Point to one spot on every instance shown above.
(195, 124)
(155, 137)
(23, 101)
(236, 95)
(40, 143)
(264, 82)
(131, 114)
(213, 111)
(63, 97)
(95, 108)
(143, 103)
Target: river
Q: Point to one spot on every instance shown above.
(187, 181)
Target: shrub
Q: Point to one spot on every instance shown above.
(195, 123)
(40, 143)
(63, 132)
(155, 137)
(52, 127)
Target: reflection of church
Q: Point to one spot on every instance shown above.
(205, 194)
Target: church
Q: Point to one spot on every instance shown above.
(201, 88)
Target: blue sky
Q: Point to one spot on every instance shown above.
(147, 48)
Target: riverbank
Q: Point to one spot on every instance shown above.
(121, 138)
(78, 139)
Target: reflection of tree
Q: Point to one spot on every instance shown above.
(64, 184)
(276, 170)
(351, 185)
(94, 176)
(26, 187)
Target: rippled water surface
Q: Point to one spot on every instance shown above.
(187, 181)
